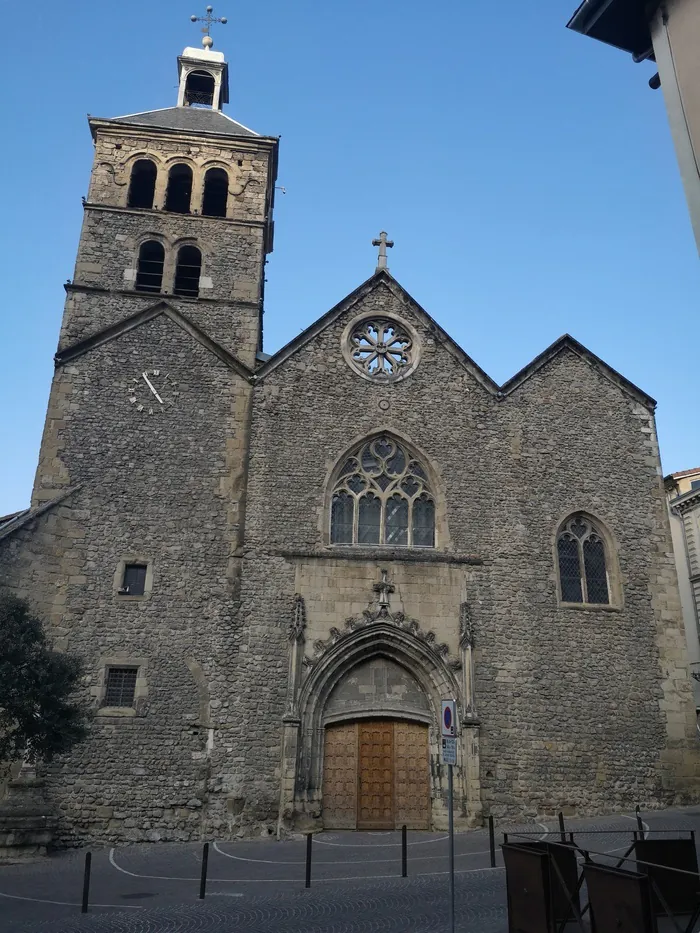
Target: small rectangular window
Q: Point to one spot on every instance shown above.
(695, 484)
(134, 582)
(121, 686)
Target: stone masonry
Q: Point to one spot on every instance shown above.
(254, 629)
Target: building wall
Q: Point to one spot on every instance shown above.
(675, 30)
(509, 472)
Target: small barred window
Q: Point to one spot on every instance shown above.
(120, 688)
(583, 574)
(381, 349)
(382, 496)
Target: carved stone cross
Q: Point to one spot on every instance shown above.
(382, 243)
(383, 589)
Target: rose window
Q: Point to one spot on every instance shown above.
(380, 348)
(382, 496)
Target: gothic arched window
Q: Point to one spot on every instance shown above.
(215, 193)
(382, 496)
(142, 184)
(149, 272)
(177, 197)
(187, 271)
(583, 574)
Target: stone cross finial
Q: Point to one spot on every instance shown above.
(382, 243)
(383, 589)
(207, 41)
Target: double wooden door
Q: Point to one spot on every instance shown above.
(375, 775)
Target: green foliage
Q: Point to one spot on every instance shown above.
(39, 716)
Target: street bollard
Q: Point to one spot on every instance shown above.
(86, 883)
(404, 852)
(203, 879)
(562, 830)
(309, 840)
(492, 842)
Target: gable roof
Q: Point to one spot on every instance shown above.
(184, 120)
(12, 523)
(383, 277)
(142, 317)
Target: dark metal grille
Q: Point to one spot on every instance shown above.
(149, 275)
(187, 271)
(134, 579)
(569, 569)
(594, 563)
(121, 686)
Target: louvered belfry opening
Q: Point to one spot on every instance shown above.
(187, 272)
(149, 274)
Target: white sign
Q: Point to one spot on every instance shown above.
(448, 725)
(449, 751)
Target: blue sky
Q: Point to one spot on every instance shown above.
(525, 173)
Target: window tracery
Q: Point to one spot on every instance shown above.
(382, 496)
(380, 348)
(583, 576)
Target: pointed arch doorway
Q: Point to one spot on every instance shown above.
(376, 768)
(376, 775)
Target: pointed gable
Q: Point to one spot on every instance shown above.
(128, 324)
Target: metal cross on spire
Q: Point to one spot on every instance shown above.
(207, 41)
(382, 243)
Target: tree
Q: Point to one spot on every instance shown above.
(39, 715)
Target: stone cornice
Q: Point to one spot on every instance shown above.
(396, 555)
(154, 212)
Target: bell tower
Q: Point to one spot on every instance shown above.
(179, 207)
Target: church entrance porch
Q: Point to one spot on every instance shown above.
(376, 775)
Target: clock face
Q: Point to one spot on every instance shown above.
(151, 392)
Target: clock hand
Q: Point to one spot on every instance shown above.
(150, 386)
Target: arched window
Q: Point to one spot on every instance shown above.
(382, 496)
(179, 191)
(199, 89)
(142, 184)
(187, 270)
(583, 576)
(215, 193)
(149, 275)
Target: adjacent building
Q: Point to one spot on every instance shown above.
(667, 32)
(683, 490)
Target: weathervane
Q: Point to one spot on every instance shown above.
(207, 41)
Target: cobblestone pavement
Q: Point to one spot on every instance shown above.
(258, 887)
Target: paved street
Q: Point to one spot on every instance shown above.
(258, 887)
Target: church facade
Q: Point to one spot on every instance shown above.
(276, 567)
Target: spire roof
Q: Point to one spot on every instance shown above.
(187, 119)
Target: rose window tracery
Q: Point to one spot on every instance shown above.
(380, 348)
(382, 496)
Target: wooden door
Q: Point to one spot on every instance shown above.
(340, 777)
(376, 777)
(412, 777)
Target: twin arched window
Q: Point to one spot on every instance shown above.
(151, 263)
(583, 573)
(178, 196)
(382, 496)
